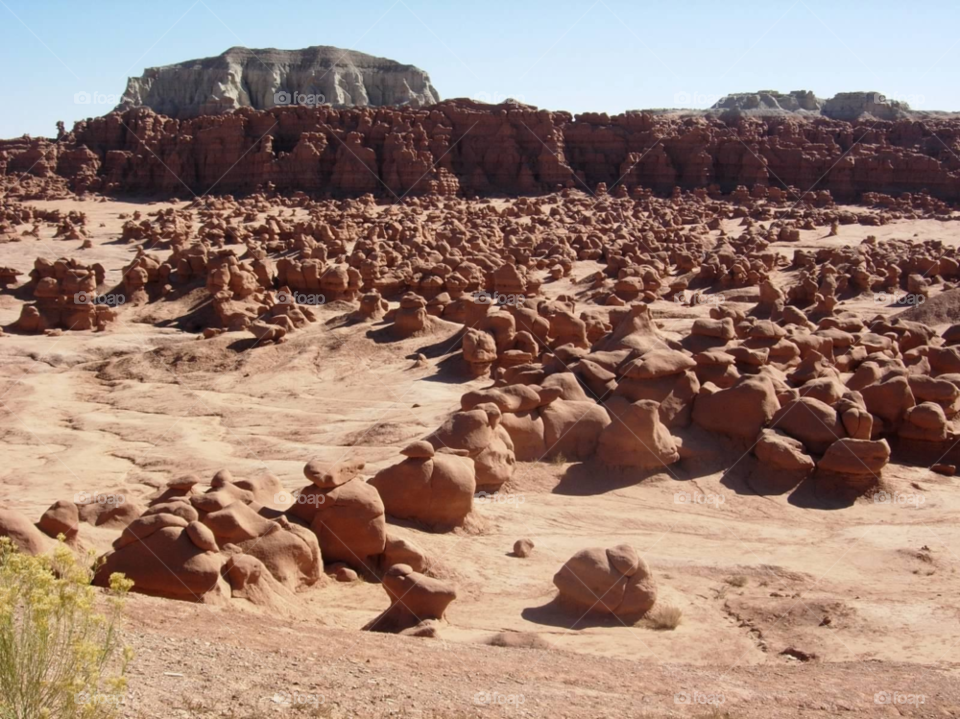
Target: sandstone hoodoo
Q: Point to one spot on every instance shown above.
(345, 513)
(416, 601)
(607, 581)
(435, 488)
(261, 79)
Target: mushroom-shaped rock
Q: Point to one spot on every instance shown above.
(166, 563)
(607, 581)
(720, 329)
(781, 452)
(889, 400)
(421, 449)
(926, 422)
(237, 523)
(479, 352)
(741, 411)
(414, 599)
(717, 367)
(436, 491)
(637, 438)
(291, 554)
(826, 389)
(372, 307)
(572, 429)
(61, 518)
(930, 389)
(348, 521)
(667, 377)
(479, 433)
(856, 457)
(811, 421)
(178, 488)
(411, 318)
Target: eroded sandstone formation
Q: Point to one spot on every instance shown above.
(261, 79)
(464, 147)
(607, 581)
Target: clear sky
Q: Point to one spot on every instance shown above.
(577, 55)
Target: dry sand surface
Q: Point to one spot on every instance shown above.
(789, 608)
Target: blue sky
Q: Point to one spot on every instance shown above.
(577, 55)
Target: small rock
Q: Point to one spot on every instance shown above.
(523, 548)
(345, 574)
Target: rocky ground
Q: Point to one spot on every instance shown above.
(198, 662)
(792, 605)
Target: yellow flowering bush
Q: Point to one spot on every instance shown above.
(60, 653)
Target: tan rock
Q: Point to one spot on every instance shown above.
(613, 581)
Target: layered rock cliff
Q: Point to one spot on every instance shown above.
(262, 79)
(848, 106)
(770, 102)
(470, 148)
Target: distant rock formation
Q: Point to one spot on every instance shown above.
(846, 106)
(767, 101)
(850, 106)
(263, 79)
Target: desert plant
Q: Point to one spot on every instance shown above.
(736, 581)
(60, 654)
(665, 616)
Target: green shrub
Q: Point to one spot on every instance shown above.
(60, 653)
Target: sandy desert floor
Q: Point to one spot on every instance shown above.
(790, 608)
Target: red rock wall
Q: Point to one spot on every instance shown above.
(464, 147)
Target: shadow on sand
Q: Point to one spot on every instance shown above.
(558, 614)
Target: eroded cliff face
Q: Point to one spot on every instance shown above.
(463, 147)
(846, 106)
(262, 79)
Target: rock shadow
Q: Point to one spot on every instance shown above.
(821, 491)
(247, 343)
(556, 613)
(592, 477)
(763, 481)
(451, 370)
